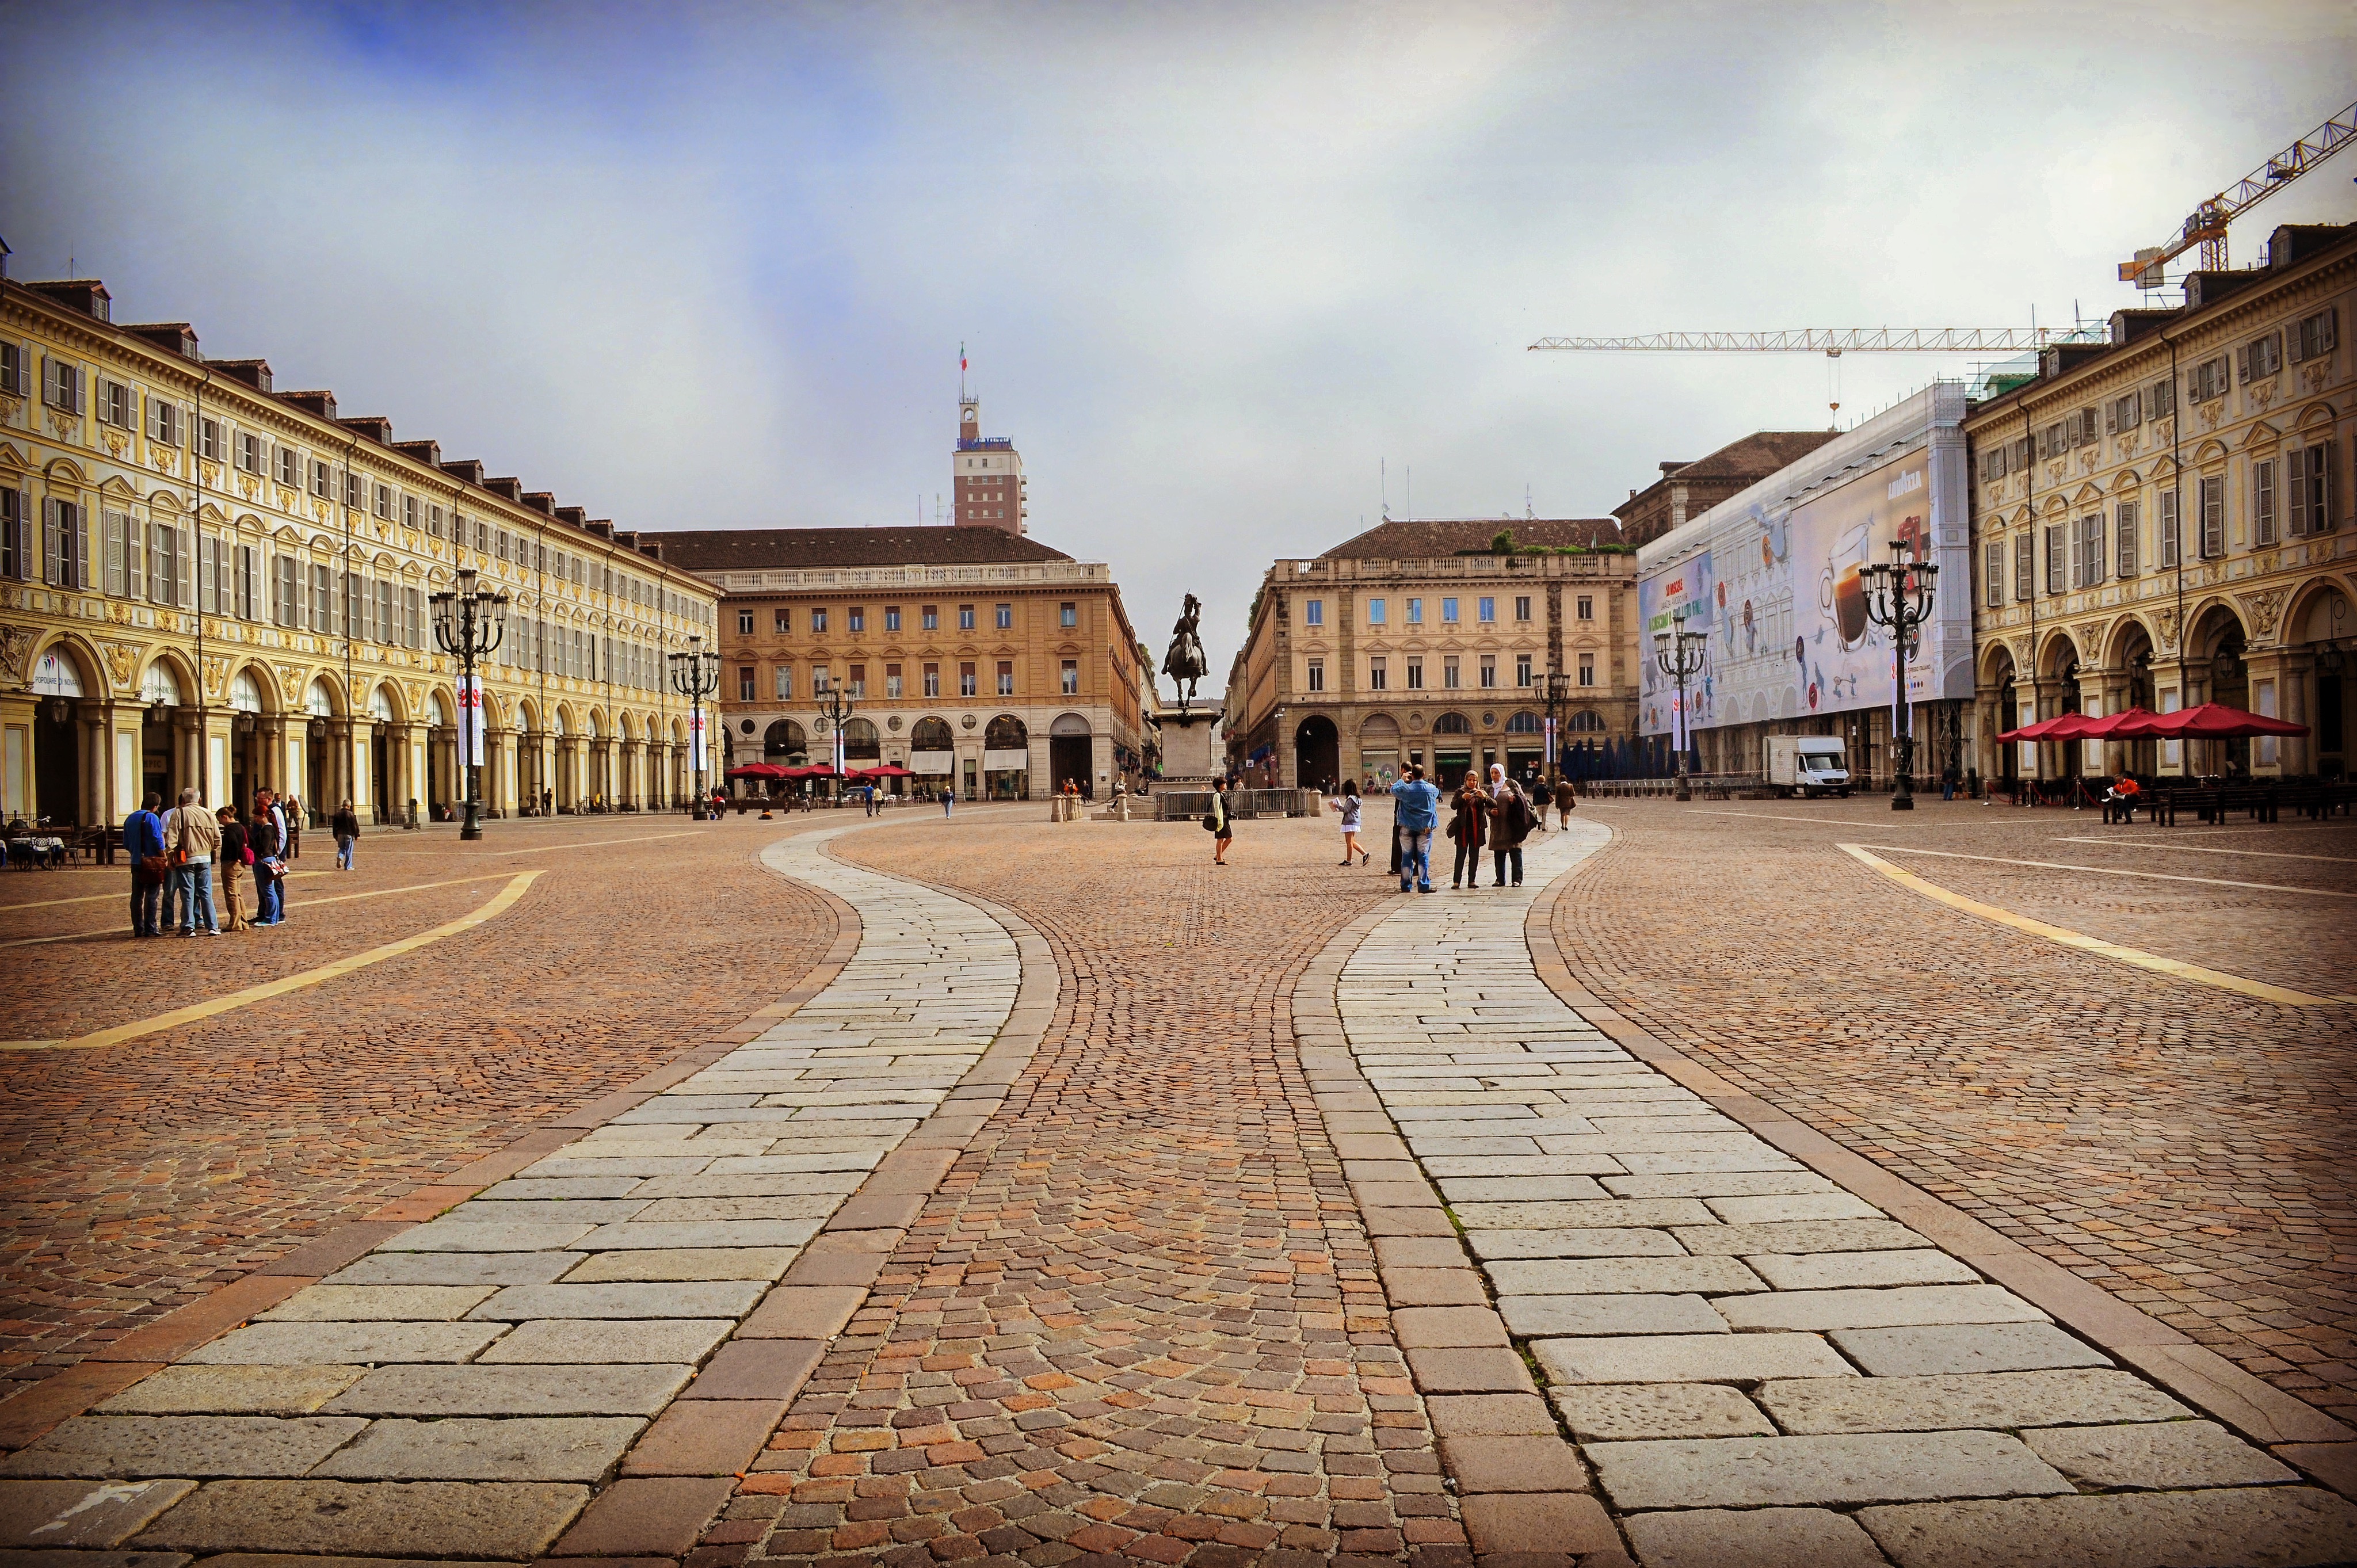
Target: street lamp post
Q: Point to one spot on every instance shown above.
(695, 675)
(1898, 596)
(468, 623)
(833, 710)
(1555, 690)
(1678, 653)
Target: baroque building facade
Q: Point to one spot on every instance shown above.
(1421, 643)
(2162, 520)
(981, 660)
(206, 582)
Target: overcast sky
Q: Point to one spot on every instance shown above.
(1217, 268)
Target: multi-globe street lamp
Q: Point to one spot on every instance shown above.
(1555, 691)
(695, 675)
(833, 712)
(1678, 653)
(469, 624)
(1898, 596)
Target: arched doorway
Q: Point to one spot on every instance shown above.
(381, 780)
(1006, 759)
(319, 762)
(1317, 754)
(57, 739)
(442, 758)
(2008, 758)
(1452, 749)
(863, 746)
(1379, 752)
(784, 745)
(1068, 753)
(2229, 683)
(2132, 654)
(1525, 745)
(932, 752)
(2326, 627)
(2062, 679)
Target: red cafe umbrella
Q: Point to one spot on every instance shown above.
(757, 770)
(888, 770)
(2208, 721)
(2062, 727)
(2111, 727)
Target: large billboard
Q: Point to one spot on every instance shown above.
(1776, 583)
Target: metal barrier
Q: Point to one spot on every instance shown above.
(1181, 805)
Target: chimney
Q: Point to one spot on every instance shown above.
(255, 374)
(86, 295)
(172, 337)
(320, 405)
(376, 427)
(426, 452)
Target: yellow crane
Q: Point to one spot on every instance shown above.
(2206, 227)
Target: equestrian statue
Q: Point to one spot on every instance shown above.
(1185, 663)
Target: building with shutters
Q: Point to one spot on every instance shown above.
(1422, 642)
(2163, 520)
(206, 582)
(981, 660)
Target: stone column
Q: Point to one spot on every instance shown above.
(2270, 677)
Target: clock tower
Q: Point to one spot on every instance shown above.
(987, 475)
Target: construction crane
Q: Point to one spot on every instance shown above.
(2207, 226)
(1836, 340)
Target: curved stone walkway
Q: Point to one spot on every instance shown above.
(578, 1358)
(1758, 1365)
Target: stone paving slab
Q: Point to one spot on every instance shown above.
(1756, 1538)
(1776, 1472)
(583, 1342)
(729, 1299)
(205, 1446)
(416, 1519)
(2156, 1456)
(360, 1303)
(1992, 1347)
(1600, 1412)
(533, 1448)
(2274, 1527)
(512, 1391)
(370, 1344)
(59, 1514)
(192, 1389)
(2006, 1399)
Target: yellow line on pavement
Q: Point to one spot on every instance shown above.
(2110, 871)
(2175, 968)
(2197, 849)
(500, 903)
(307, 903)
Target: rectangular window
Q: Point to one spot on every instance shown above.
(817, 622)
(12, 371)
(1071, 678)
(163, 422)
(208, 440)
(966, 686)
(744, 623)
(1588, 669)
(1006, 678)
(2124, 532)
(2161, 399)
(1452, 675)
(2308, 480)
(745, 682)
(931, 618)
(1005, 617)
(2025, 565)
(168, 566)
(285, 591)
(1068, 613)
(15, 535)
(61, 387)
(1416, 612)
(1447, 612)
(892, 681)
(782, 621)
(387, 620)
(121, 549)
(1489, 671)
(117, 405)
(413, 618)
(822, 680)
(1993, 573)
(2213, 517)
(320, 481)
(1586, 607)
(409, 514)
(1313, 612)
(859, 679)
(1488, 611)
(1414, 673)
(2057, 557)
(1522, 669)
(2168, 531)
(2126, 415)
(2259, 359)
(2313, 338)
(1521, 606)
(2263, 501)
(855, 617)
(965, 618)
(782, 681)
(2206, 380)
(384, 501)
(1317, 674)
(290, 468)
(932, 680)
(2091, 550)
(891, 617)
(1374, 612)
(1378, 677)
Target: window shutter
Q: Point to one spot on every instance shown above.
(2242, 363)
(2112, 419)
(2329, 326)
(23, 524)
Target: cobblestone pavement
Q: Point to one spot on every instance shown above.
(2186, 1149)
(144, 1175)
(460, 1389)
(1139, 1321)
(1757, 1365)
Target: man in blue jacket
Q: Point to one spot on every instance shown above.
(1418, 812)
(143, 836)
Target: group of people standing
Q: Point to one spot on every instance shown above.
(1499, 815)
(174, 856)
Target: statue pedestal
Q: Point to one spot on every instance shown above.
(1192, 746)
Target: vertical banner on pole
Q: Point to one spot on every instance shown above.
(1555, 758)
(695, 763)
(470, 715)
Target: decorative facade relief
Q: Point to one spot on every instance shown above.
(16, 647)
(2264, 609)
(122, 663)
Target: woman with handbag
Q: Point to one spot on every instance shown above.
(235, 858)
(1220, 824)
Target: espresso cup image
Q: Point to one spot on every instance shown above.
(1849, 605)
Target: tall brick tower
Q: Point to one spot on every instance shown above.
(987, 474)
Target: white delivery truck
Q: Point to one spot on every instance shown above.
(1806, 763)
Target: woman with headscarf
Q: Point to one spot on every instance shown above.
(1509, 825)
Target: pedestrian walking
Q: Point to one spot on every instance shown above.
(143, 844)
(1469, 830)
(234, 857)
(266, 837)
(191, 844)
(347, 828)
(948, 798)
(1509, 825)
(1417, 807)
(290, 819)
(1567, 800)
(1220, 824)
(1351, 807)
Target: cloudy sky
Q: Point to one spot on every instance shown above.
(1218, 268)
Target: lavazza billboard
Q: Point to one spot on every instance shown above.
(1771, 574)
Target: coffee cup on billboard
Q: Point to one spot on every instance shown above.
(1841, 592)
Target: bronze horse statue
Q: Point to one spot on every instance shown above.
(1185, 663)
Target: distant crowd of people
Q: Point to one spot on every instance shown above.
(1497, 815)
(188, 863)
